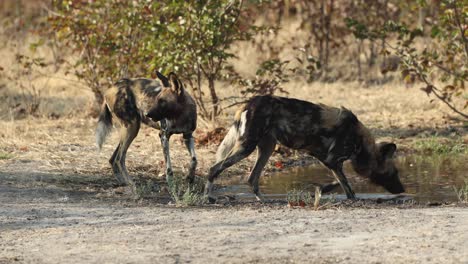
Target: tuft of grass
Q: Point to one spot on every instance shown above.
(5, 156)
(147, 189)
(439, 146)
(303, 198)
(462, 193)
(293, 196)
(185, 194)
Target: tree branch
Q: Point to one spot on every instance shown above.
(460, 27)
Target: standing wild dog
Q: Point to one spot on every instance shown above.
(132, 101)
(330, 134)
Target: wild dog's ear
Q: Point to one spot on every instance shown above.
(176, 85)
(163, 79)
(387, 149)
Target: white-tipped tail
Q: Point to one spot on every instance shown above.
(228, 144)
(104, 126)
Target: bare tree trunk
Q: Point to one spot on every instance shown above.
(328, 17)
(372, 55)
(358, 59)
(386, 18)
(214, 96)
(421, 17)
(322, 29)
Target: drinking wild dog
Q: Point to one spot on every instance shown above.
(132, 101)
(330, 134)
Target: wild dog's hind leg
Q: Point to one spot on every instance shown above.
(242, 152)
(340, 176)
(127, 135)
(265, 148)
(115, 167)
(189, 143)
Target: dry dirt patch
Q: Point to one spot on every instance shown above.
(92, 230)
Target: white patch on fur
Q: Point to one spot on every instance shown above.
(243, 122)
(332, 145)
(208, 188)
(259, 197)
(103, 130)
(228, 144)
(101, 133)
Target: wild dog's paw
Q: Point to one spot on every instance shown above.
(190, 179)
(211, 200)
(259, 197)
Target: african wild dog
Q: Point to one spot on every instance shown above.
(332, 135)
(132, 101)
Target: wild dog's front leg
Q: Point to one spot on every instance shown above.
(190, 144)
(164, 135)
(340, 176)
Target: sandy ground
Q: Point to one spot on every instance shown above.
(51, 225)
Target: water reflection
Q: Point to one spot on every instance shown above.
(428, 178)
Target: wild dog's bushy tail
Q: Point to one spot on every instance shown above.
(104, 125)
(228, 143)
(231, 140)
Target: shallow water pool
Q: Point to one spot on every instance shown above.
(426, 178)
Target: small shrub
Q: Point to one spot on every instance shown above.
(5, 156)
(185, 194)
(293, 196)
(304, 198)
(462, 193)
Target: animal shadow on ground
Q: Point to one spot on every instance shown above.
(76, 188)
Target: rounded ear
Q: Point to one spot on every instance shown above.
(175, 83)
(387, 150)
(163, 79)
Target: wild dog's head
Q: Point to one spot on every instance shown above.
(170, 101)
(386, 174)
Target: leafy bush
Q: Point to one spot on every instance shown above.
(447, 55)
(134, 38)
(269, 79)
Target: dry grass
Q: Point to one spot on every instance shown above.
(59, 94)
(462, 193)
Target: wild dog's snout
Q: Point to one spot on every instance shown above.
(155, 114)
(391, 182)
(395, 186)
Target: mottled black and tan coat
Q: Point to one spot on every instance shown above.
(162, 104)
(330, 134)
